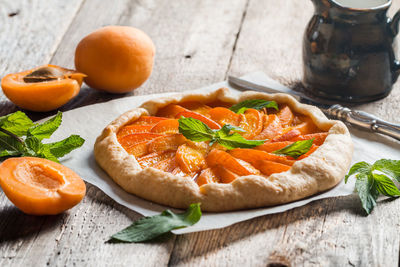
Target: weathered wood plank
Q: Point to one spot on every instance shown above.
(331, 232)
(194, 40)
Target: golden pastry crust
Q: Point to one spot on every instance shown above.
(319, 172)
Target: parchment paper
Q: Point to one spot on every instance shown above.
(89, 121)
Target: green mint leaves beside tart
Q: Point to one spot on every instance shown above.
(374, 180)
(19, 136)
(257, 104)
(227, 136)
(148, 228)
(296, 149)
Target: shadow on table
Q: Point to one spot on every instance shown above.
(15, 224)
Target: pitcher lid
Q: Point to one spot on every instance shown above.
(385, 5)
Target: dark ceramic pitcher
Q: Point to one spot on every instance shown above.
(348, 53)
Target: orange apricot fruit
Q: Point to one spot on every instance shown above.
(166, 142)
(117, 59)
(148, 120)
(39, 186)
(166, 127)
(269, 167)
(130, 129)
(224, 116)
(219, 157)
(190, 159)
(166, 165)
(319, 138)
(190, 114)
(207, 176)
(43, 88)
(252, 156)
(272, 127)
(153, 158)
(170, 111)
(252, 122)
(285, 115)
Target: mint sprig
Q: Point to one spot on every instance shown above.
(373, 180)
(227, 136)
(257, 104)
(19, 136)
(296, 149)
(148, 228)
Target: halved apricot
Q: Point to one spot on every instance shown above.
(153, 158)
(148, 120)
(219, 157)
(164, 143)
(130, 129)
(43, 88)
(190, 159)
(285, 115)
(269, 167)
(224, 116)
(169, 126)
(190, 114)
(39, 186)
(272, 128)
(252, 122)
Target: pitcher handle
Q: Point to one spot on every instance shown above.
(394, 29)
(394, 24)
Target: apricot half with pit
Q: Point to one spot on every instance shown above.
(43, 88)
(117, 59)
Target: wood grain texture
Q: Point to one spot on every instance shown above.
(198, 43)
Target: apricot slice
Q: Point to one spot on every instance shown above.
(252, 122)
(190, 159)
(285, 115)
(148, 120)
(130, 140)
(197, 107)
(319, 138)
(207, 176)
(289, 135)
(39, 186)
(166, 165)
(272, 127)
(307, 126)
(43, 88)
(117, 59)
(164, 143)
(224, 175)
(169, 126)
(130, 129)
(153, 158)
(219, 157)
(170, 111)
(274, 146)
(190, 114)
(312, 150)
(269, 167)
(252, 156)
(138, 149)
(224, 116)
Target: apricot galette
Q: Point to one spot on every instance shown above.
(226, 152)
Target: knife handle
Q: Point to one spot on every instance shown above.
(364, 120)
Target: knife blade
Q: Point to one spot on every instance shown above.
(356, 118)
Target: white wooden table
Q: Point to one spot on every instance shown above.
(198, 43)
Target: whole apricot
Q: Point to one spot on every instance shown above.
(43, 88)
(116, 59)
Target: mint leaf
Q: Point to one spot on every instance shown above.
(148, 228)
(359, 167)
(296, 149)
(389, 167)
(367, 192)
(195, 130)
(63, 147)
(234, 140)
(17, 123)
(47, 128)
(10, 146)
(385, 185)
(257, 104)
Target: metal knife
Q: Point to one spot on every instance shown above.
(357, 118)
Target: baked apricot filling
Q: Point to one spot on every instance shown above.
(218, 142)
